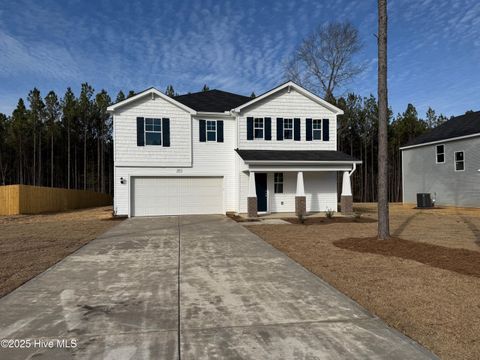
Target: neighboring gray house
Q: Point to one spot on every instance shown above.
(445, 162)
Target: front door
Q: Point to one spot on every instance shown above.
(261, 186)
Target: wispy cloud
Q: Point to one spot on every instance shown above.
(239, 46)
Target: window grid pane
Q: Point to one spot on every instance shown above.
(278, 183)
(153, 131)
(258, 128)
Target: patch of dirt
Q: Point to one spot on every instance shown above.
(333, 220)
(462, 261)
(30, 244)
(239, 218)
(438, 308)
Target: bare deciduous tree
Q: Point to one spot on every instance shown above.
(324, 60)
(383, 217)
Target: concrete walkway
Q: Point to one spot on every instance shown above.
(127, 294)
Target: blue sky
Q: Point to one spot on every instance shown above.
(237, 46)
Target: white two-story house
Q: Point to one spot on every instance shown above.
(214, 152)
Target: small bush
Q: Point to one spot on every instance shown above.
(329, 213)
(301, 218)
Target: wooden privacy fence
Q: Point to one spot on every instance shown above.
(27, 199)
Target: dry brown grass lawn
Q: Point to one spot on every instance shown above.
(439, 308)
(30, 244)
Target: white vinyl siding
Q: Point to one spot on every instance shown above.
(126, 151)
(287, 106)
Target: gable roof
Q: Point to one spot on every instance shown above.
(149, 92)
(299, 89)
(212, 100)
(459, 126)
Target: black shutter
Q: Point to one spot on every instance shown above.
(326, 130)
(308, 133)
(166, 132)
(249, 128)
(202, 130)
(268, 128)
(279, 128)
(296, 129)
(219, 130)
(140, 131)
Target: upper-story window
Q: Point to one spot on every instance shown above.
(288, 129)
(440, 149)
(258, 128)
(317, 129)
(459, 161)
(153, 131)
(211, 130)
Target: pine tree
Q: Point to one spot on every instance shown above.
(120, 96)
(383, 211)
(69, 111)
(37, 108)
(85, 112)
(205, 88)
(170, 91)
(52, 110)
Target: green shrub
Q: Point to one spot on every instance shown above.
(329, 213)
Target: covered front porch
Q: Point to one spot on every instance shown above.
(295, 183)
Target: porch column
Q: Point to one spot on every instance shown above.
(252, 196)
(300, 199)
(346, 200)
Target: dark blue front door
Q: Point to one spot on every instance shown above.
(261, 186)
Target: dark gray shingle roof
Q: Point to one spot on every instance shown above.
(462, 125)
(212, 100)
(293, 155)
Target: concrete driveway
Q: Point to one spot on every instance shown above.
(201, 285)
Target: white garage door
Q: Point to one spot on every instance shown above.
(176, 195)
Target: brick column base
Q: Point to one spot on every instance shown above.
(346, 204)
(252, 207)
(300, 205)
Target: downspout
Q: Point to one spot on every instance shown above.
(353, 169)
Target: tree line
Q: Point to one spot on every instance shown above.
(61, 141)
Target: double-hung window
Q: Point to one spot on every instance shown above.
(211, 130)
(459, 161)
(153, 131)
(258, 128)
(288, 129)
(278, 183)
(317, 129)
(440, 149)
